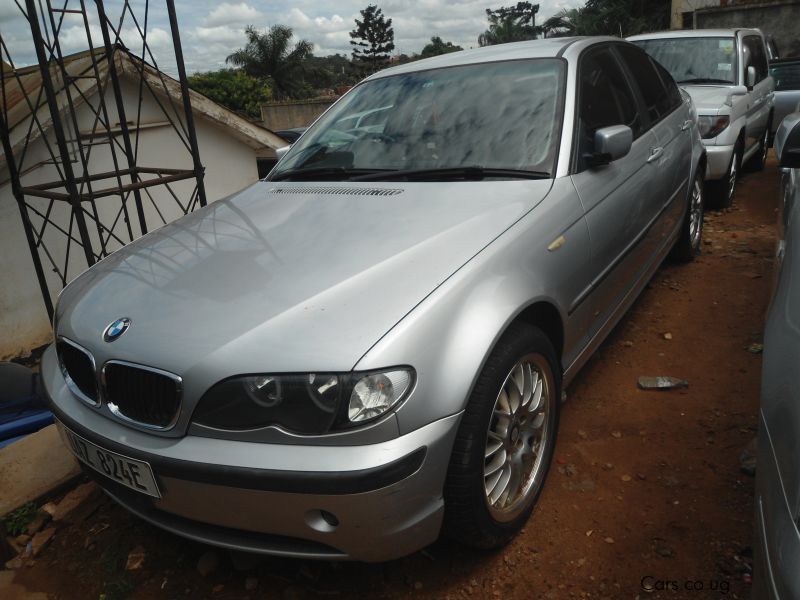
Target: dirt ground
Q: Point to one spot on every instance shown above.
(646, 490)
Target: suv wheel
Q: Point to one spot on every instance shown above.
(720, 193)
(505, 441)
(759, 159)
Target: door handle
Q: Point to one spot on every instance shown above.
(686, 124)
(655, 154)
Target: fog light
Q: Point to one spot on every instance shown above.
(321, 520)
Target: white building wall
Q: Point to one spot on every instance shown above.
(230, 165)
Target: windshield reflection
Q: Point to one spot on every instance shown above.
(502, 115)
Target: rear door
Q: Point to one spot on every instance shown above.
(619, 199)
(670, 115)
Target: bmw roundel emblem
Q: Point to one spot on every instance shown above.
(116, 329)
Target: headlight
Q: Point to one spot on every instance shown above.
(711, 127)
(310, 404)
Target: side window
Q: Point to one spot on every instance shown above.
(604, 99)
(659, 100)
(756, 56)
(673, 94)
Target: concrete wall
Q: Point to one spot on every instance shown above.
(230, 165)
(287, 115)
(778, 19)
(682, 6)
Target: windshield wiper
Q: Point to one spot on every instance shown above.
(322, 173)
(706, 80)
(469, 173)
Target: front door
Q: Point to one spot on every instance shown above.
(758, 105)
(618, 199)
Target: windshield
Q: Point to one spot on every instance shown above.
(695, 60)
(490, 116)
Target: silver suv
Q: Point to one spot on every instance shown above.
(726, 72)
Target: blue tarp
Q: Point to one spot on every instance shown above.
(22, 408)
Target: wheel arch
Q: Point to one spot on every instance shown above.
(544, 315)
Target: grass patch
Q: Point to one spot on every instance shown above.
(118, 589)
(17, 521)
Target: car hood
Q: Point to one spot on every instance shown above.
(708, 99)
(286, 276)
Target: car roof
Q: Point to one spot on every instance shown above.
(544, 48)
(691, 33)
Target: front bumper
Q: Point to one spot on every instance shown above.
(776, 540)
(718, 159)
(270, 498)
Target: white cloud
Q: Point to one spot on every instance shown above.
(221, 34)
(210, 30)
(233, 14)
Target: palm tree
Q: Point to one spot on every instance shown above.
(505, 29)
(269, 56)
(565, 22)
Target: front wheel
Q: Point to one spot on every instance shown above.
(720, 193)
(505, 441)
(759, 160)
(688, 244)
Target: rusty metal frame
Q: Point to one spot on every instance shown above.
(51, 115)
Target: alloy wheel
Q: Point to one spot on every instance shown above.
(733, 173)
(696, 213)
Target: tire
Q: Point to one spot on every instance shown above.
(759, 160)
(688, 244)
(720, 193)
(491, 424)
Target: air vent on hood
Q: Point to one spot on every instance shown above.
(348, 191)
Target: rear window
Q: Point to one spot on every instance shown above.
(787, 77)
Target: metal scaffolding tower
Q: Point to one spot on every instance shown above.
(41, 103)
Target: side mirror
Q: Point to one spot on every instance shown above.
(611, 143)
(750, 77)
(787, 142)
(280, 152)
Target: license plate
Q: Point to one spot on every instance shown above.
(134, 474)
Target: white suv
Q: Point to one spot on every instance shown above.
(726, 72)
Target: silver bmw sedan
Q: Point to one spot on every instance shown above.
(368, 347)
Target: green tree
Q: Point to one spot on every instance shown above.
(372, 39)
(570, 21)
(437, 47)
(610, 17)
(334, 71)
(629, 17)
(510, 24)
(270, 56)
(234, 89)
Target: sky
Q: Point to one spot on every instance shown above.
(211, 30)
